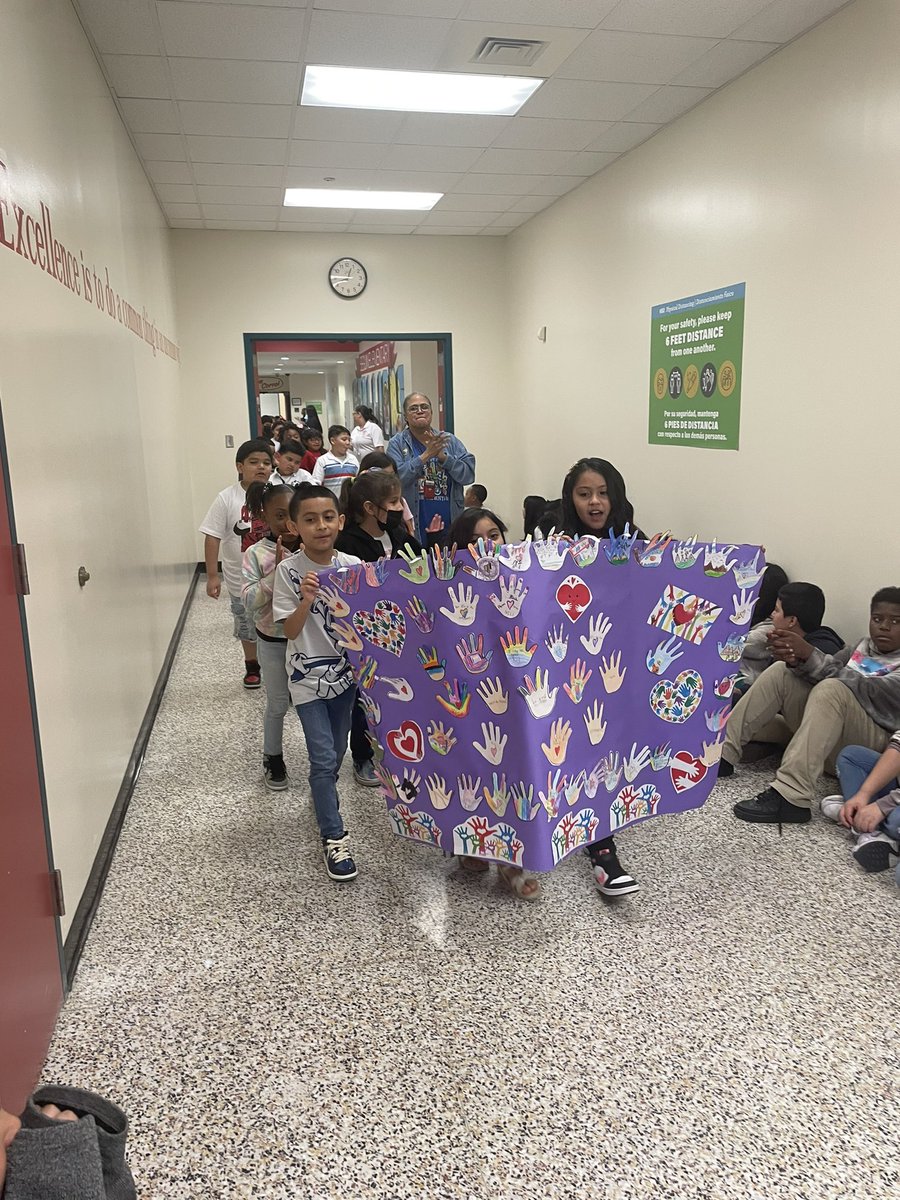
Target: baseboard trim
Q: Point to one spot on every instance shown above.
(90, 899)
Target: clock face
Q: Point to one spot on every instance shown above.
(347, 278)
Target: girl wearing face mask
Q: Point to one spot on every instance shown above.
(372, 505)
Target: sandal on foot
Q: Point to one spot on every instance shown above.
(525, 886)
(472, 866)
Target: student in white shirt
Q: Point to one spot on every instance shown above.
(366, 434)
(287, 466)
(337, 464)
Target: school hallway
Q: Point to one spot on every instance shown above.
(725, 1033)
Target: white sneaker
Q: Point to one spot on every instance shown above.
(874, 851)
(831, 807)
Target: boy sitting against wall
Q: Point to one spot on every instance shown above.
(828, 701)
(799, 607)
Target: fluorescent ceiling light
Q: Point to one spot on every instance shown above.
(416, 91)
(358, 198)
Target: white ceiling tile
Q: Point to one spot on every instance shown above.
(235, 120)
(168, 172)
(381, 230)
(397, 8)
(725, 62)
(785, 19)
(430, 158)
(521, 162)
(450, 129)
(608, 56)
(176, 193)
(578, 14)
(316, 216)
(416, 181)
(242, 224)
(312, 227)
(346, 125)
(150, 116)
(466, 38)
(689, 17)
(369, 40)
(580, 99)
(668, 103)
(235, 82)
(463, 202)
(264, 151)
(211, 194)
(624, 135)
(361, 155)
(537, 133)
(237, 174)
(143, 75)
(373, 216)
(167, 146)
(239, 31)
(183, 210)
(241, 212)
(492, 231)
(556, 185)
(532, 204)
(503, 185)
(444, 231)
(181, 223)
(123, 27)
(511, 220)
(340, 177)
(436, 217)
(588, 163)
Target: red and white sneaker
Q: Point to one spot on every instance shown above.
(610, 876)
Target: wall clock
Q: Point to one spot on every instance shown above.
(348, 278)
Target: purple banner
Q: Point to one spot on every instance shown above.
(528, 703)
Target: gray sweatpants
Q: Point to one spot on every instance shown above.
(271, 657)
(823, 718)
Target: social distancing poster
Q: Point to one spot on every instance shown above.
(696, 350)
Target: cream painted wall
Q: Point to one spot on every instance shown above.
(789, 179)
(230, 283)
(97, 446)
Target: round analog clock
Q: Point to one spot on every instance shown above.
(347, 278)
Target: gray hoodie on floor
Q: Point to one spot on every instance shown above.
(69, 1160)
(878, 695)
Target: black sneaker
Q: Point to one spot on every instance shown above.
(252, 678)
(726, 769)
(610, 876)
(274, 772)
(771, 808)
(874, 852)
(338, 860)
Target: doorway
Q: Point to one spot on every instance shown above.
(292, 374)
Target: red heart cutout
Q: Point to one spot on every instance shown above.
(407, 742)
(573, 596)
(686, 771)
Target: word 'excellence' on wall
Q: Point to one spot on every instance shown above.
(529, 699)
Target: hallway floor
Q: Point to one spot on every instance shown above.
(729, 1032)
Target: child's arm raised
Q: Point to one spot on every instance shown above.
(309, 588)
(211, 557)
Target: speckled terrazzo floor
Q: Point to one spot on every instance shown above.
(730, 1032)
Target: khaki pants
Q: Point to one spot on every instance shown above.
(823, 718)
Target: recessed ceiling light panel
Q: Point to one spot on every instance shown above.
(359, 198)
(416, 91)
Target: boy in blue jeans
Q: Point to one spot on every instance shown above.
(870, 803)
(319, 676)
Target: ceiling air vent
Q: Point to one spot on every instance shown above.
(508, 52)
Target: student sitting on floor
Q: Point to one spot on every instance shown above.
(869, 805)
(828, 700)
(797, 606)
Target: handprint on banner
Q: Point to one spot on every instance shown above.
(434, 666)
(551, 551)
(598, 627)
(438, 794)
(376, 572)
(612, 672)
(508, 602)
(553, 796)
(572, 787)
(732, 648)
(347, 579)
(469, 792)
(538, 695)
(636, 761)
(493, 694)
(585, 550)
(555, 752)
(653, 551)
(494, 743)
(334, 601)
(716, 561)
(400, 689)
(686, 553)
(749, 573)
(487, 561)
(715, 721)
(408, 785)
(442, 563)
(618, 548)
(611, 771)
(712, 751)
(465, 605)
(660, 659)
(365, 672)
(743, 608)
(346, 636)
(419, 570)
(523, 800)
(724, 687)
(497, 796)
(594, 723)
(557, 642)
(578, 681)
(659, 757)
(371, 708)
(457, 699)
(515, 647)
(441, 740)
(422, 618)
(472, 656)
(517, 555)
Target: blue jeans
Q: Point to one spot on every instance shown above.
(853, 766)
(270, 656)
(326, 725)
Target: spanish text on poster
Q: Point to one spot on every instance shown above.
(696, 351)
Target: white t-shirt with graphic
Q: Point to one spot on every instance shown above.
(332, 471)
(317, 666)
(227, 520)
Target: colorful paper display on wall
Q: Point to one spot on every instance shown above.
(528, 702)
(696, 363)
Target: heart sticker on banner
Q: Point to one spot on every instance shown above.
(678, 700)
(407, 742)
(686, 771)
(574, 597)
(384, 627)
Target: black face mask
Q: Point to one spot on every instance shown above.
(393, 519)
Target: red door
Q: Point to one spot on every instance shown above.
(31, 980)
